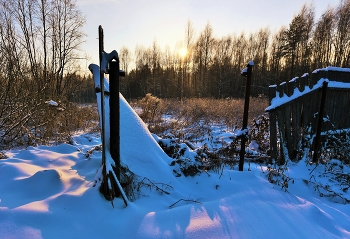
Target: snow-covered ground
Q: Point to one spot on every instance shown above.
(48, 192)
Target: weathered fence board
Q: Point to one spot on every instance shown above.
(294, 107)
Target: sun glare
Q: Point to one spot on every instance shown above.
(183, 52)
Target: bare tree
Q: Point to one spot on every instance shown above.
(155, 67)
(39, 41)
(322, 39)
(276, 54)
(342, 34)
(222, 68)
(125, 60)
(125, 57)
(296, 39)
(188, 59)
(143, 71)
(66, 23)
(203, 57)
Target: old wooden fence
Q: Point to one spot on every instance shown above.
(295, 107)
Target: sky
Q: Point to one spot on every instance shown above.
(141, 22)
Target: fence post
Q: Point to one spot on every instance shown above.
(248, 73)
(273, 129)
(114, 113)
(320, 121)
(110, 185)
(102, 88)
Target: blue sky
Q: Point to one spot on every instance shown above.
(140, 22)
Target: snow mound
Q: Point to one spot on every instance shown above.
(138, 149)
(39, 186)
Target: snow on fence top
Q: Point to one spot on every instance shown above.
(332, 68)
(338, 78)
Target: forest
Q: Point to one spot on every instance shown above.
(202, 65)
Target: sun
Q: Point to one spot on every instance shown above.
(183, 52)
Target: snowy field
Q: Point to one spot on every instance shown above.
(51, 192)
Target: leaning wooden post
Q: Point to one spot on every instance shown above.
(320, 121)
(248, 73)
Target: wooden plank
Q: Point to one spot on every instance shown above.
(297, 83)
(290, 87)
(281, 129)
(312, 110)
(296, 124)
(347, 105)
(306, 110)
(335, 109)
(282, 88)
(298, 129)
(340, 108)
(314, 76)
(338, 76)
(273, 136)
(288, 131)
(303, 81)
(332, 107)
(272, 92)
(320, 122)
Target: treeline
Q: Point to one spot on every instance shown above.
(205, 66)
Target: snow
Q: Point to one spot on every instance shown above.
(48, 192)
(245, 70)
(332, 68)
(146, 153)
(95, 70)
(278, 101)
(51, 102)
(340, 85)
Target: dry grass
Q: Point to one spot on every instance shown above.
(60, 124)
(52, 125)
(192, 111)
(201, 120)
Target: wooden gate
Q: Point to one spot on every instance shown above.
(295, 107)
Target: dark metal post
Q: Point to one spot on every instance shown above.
(102, 88)
(320, 121)
(248, 74)
(114, 114)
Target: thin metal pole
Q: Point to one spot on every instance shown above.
(245, 116)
